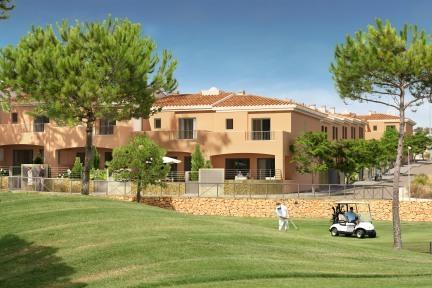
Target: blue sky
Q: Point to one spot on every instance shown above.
(269, 47)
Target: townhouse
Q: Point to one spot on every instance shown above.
(244, 134)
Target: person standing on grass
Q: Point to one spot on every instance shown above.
(282, 213)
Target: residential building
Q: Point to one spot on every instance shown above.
(239, 132)
(378, 123)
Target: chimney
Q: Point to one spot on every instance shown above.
(332, 110)
(323, 109)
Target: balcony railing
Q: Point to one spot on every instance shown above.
(105, 130)
(186, 134)
(260, 135)
(38, 127)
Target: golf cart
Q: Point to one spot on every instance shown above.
(360, 225)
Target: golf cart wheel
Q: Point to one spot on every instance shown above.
(334, 232)
(372, 234)
(360, 233)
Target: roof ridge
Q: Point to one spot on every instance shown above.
(223, 99)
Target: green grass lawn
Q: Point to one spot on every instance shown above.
(74, 241)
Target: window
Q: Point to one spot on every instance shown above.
(353, 133)
(157, 123)
(106, 127)
(324, 129)
(374, 128)
(344, 132)
(187, 128)
(14, 117)
(335, 133)
(39, 123)
(361, 135)
(229, 123)
(261, 129)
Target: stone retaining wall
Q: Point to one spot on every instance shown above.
(298, 208)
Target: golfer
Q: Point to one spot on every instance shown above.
(282, 213)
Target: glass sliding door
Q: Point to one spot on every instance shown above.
(186, 128)
(266, 168)
(261, 129)
(237, 167)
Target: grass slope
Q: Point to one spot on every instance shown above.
(73, 241)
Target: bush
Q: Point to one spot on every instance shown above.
(98, 174)
(77, 169)
(421, 186)
(421, 179)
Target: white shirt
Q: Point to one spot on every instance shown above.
(282, 211)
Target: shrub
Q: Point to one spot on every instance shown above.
(77, 169)
(98, 174)
(421, 179)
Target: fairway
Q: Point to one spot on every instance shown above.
(76, 241)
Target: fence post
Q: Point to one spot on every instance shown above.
(329, 189)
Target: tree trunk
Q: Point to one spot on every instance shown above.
(313, 187)
(138, 193)
(397, 239)
(88, 158)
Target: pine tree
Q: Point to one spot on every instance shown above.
(391, 68)
(88, 71)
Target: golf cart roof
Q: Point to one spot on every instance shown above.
(351, 202)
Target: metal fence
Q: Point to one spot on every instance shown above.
(228, 189)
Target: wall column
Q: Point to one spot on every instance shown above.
(280, 164)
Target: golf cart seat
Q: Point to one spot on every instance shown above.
(341, 219)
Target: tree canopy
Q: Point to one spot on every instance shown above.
(144, 161)
(388, 67)
(312, 153)
(87, 71)
(5, 7)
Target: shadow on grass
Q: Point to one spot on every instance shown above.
(23, 264)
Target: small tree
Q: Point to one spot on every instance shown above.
(345, 160)
(88, 71)
(391, 68)
(418, 143)
(144, 159)
(77, 169)
(198, 162)
(96, 158)
(312, 154)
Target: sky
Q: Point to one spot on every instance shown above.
(273, 48)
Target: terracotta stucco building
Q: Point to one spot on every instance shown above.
(237, 131)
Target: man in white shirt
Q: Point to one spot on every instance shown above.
(282, 213)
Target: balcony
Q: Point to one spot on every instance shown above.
(260, 135)
(186, 134)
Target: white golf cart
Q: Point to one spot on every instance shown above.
(361, 226)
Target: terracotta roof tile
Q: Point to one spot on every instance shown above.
(232, 100)
(190, 99)
(250, 100)
(378, 116)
